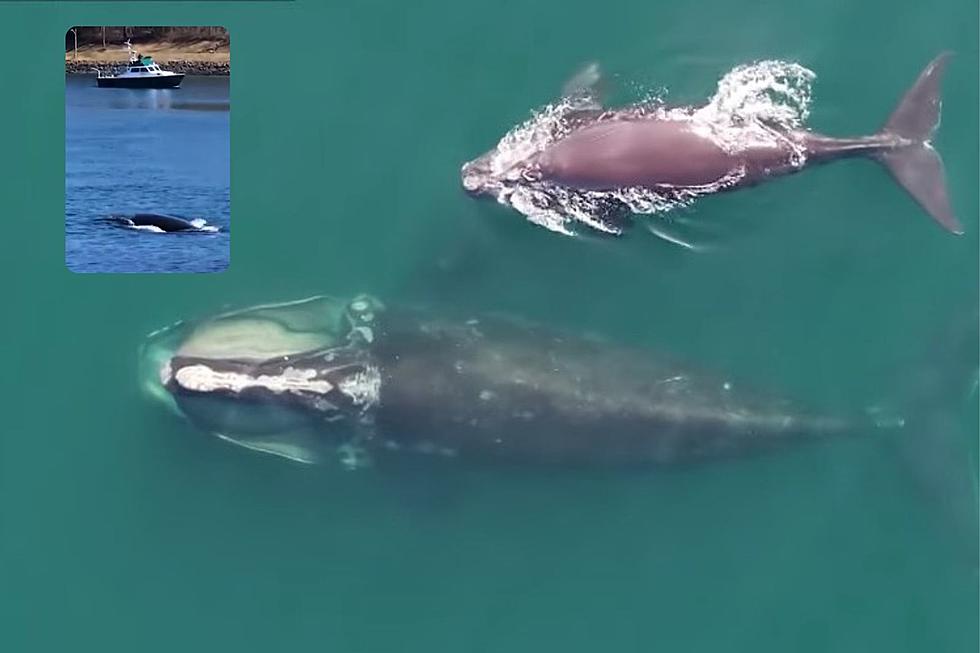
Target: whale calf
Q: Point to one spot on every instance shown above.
(321, 379)
(592, 165)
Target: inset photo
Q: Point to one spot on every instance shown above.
(147, 149)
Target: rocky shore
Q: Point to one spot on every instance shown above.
(177, 66)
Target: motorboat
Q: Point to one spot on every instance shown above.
(140, 72)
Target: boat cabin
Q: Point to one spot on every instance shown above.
(140, 64)
(152, 68)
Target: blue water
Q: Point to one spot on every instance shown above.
(146, 151)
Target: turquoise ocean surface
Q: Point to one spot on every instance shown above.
(123, 529)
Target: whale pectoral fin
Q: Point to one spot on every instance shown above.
(662, 230)
(300, 445)
(586, 87)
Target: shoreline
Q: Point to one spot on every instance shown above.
(216, 68)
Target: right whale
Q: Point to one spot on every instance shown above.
(324, 378)
(594, 165)
(161, 223)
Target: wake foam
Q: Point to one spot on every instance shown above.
(202, 225)
(758, 104)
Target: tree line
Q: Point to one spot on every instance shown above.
(114, 36)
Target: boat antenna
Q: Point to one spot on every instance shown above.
(132, 52)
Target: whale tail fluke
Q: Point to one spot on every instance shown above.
(912, 160)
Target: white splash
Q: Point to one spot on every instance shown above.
(202, 225)
(758, 104)
(755, 104)
(776, 92)
(546, 125)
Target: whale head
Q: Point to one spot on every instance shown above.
(477, 176)
(497, 175)
(293, 379)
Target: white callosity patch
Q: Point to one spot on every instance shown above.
(755, 105)
(361, 315)
(201, 378)
(363, 387)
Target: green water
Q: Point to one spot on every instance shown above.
(121, 529)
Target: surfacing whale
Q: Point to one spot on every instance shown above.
(159, 222)
(578, 162)
(321, 378)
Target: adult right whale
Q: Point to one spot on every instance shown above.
(593, 165)
(324, 378)
(357, 382)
